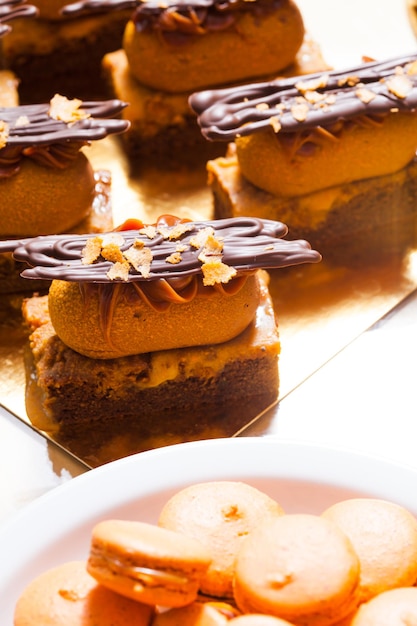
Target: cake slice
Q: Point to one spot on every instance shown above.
(332, 154)
(47, 182)
(143, 329)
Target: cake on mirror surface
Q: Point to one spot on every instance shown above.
(47, 182)
(143, 328)
(331, 154)
(172, 49)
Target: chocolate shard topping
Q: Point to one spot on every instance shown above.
(303, 102)
(11, 10)
(247, 244)
(32, 125)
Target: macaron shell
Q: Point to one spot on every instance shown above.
(147, 563)
(68, 596)
(219, 514)
(298, 567)
(396, 607)
(384, 536)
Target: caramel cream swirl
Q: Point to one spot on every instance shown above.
(236, 245)
(304, 102)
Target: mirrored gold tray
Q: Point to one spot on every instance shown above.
(320, 309)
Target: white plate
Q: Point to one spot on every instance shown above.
(302, 477)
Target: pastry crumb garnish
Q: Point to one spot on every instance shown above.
(300, 111)
(65, 110)
(412, 68)
(174, 258)
(399, 85)
(140, 258)
(199, 240)
(91, 250)
(262, 106)
(4, 133)
(365, 95)
(312, 84)
(215, 272)
(22, 120)
(349, 80)
(275, 123)
(120, 270)
(176, 232)
(149, 231)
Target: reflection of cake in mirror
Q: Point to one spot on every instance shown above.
(59, 52)
(47, 182)
(173, 48)
(146, 327)
(332, 154)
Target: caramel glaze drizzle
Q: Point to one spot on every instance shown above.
(11, 10)
(177, 19)
(51, 142)
(362, 94)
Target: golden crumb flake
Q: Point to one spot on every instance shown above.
(174, 258)
(179, 230)
(22, 120)
(65, 110)
(312, 85)
(215, 272)
(115, 239)
(213, 247)
(350, 81)
(181, 247)
(4, 133)
(140, 259)
(138, 243)
(300, 111)
(111, 252)
(91, 250)
(365, 95)
(275, 123)
(199, 240)
(313, 97)
(262, 106)
(399, 85)
(120, 269)
(411, 68)
(149, 231)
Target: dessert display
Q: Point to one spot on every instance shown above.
(172, 49)
(332, 154)
(130, 327)
(44, 143)
(61, 52)
(287, 568)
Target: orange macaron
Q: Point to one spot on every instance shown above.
(298, 567)
(384, 536)
(395, 607)
(147, 563)
(220, 514)
(67, 595)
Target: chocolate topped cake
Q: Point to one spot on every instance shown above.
(44, 143)
(172, 49)
(131, 329)
(331, 154)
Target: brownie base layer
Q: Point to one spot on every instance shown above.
(167, 396)
(72, 64)
(366, 221)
